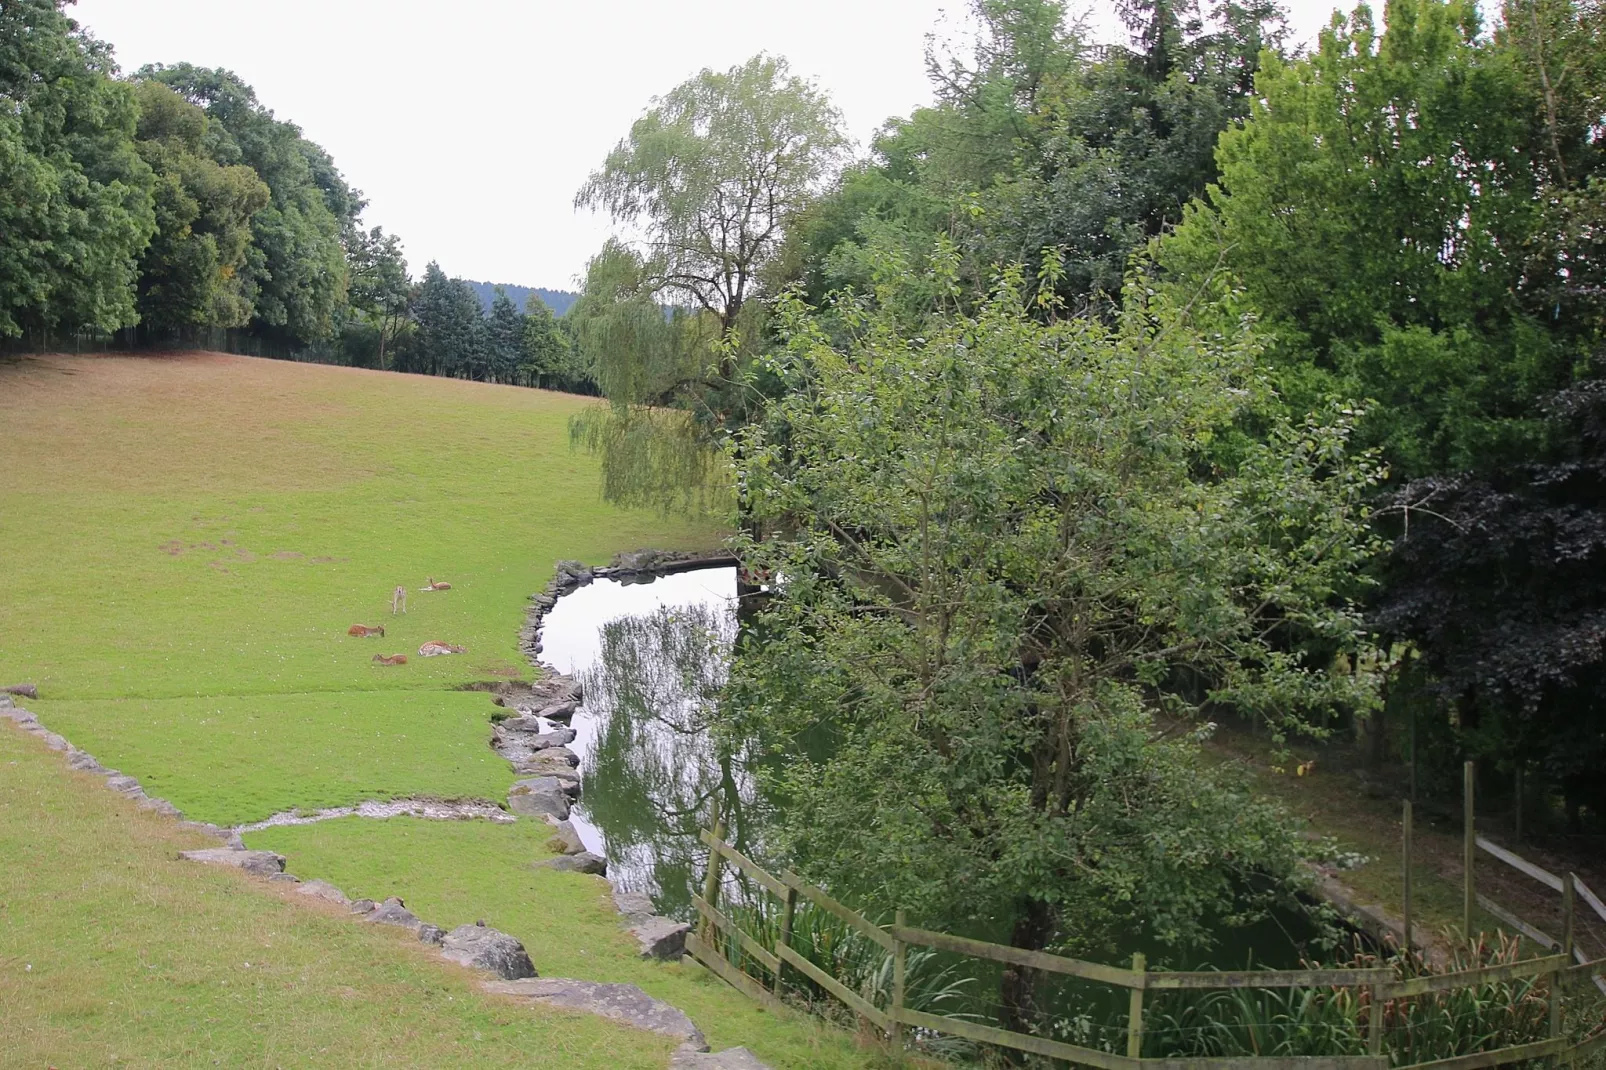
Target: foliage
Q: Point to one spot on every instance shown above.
(551, 357)
(450, 327)
(193, 273)
(1382, 209)
(503, 335)
(1500, 580)
(380, 289)
(75, 198)
(298, 263)
(713, 171)
(1004, 566)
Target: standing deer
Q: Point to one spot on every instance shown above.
(398, 600)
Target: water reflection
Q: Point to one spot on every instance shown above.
(653, 658)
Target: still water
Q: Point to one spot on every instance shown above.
(653, 657)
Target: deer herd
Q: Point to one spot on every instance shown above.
(398, 604)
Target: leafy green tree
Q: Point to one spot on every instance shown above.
(551, 358)
(75, 198)
(1007, 576)
(1379, 210)
(193, 273)
(380, 289)
(298, 259)
(712, 175)
(503, 339)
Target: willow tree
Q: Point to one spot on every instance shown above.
(710, 177)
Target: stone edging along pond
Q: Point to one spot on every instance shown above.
(534, 742)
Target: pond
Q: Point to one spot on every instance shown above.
(652, 656)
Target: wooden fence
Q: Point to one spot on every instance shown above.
(717, 928)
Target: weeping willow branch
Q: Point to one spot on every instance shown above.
(653, 457)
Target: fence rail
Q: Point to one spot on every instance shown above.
(717, 928)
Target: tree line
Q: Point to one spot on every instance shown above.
(171, 205)
(1123, 391)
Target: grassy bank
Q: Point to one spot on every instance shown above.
(187, 539)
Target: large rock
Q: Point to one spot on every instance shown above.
(20, 690)
(566, 839)
(660, 938)
(584, 862)
(556, 754)
(633, 904)
(394, 912)
(546, 767)
(539, 797)
(689, 1058)
(262, 863)
(622, 1003)
(487, 949)
(325, 891)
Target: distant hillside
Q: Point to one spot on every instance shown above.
(557, 300)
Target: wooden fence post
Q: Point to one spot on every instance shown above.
(1134, 1021)
(788, 912)
(1518, 792)
(900, 957)
(1374, 1023)
(1567, 906)
(1406, 873)
(716, 828)
(1468, 846)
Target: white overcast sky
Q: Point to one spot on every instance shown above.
(470, 125)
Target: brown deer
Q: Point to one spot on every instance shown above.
(435, 647)
(398, 600)
(391, 659)
(362, 631)
(433, 586)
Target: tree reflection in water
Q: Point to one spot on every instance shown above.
(653, 768)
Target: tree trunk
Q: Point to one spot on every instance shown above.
(1034, 925)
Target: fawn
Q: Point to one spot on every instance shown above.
(433, 586)
(436, 647)
(363, 631)
(391, 659)
(398, 600)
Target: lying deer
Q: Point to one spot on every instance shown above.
(435, 647)
(433, 586)
(391, 659)
(362, 631)
(398, 600)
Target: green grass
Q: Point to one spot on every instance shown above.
(453, 872)
(113, 953)
(186, 540)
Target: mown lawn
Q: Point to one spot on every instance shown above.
(185, 541)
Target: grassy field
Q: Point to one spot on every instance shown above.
(186, 540)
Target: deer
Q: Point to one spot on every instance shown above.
(391, 659)
(433, 586)
(362, 631)
(435, 647)
(398, 600)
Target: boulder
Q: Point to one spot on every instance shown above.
(547, 767)
(82, 759)
(539, 797)
(485, 948)
(584, 862)
(622, 1003)
(689, 1058)
(633, 904)
(431, 934)
(565, 839)
(394, 912)
(561, 711)
(20, 690)
(325, 891)
(363, 906)
(262, 863)
(660, 938)
(556, 754)
(283, 878)
(558, 737)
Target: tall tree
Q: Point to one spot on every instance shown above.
(1006, 562)
(713, 172)
(450, 325)
(75, 198)
(380, 288)
(298, 261)
(503, 339)
(193, 273)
